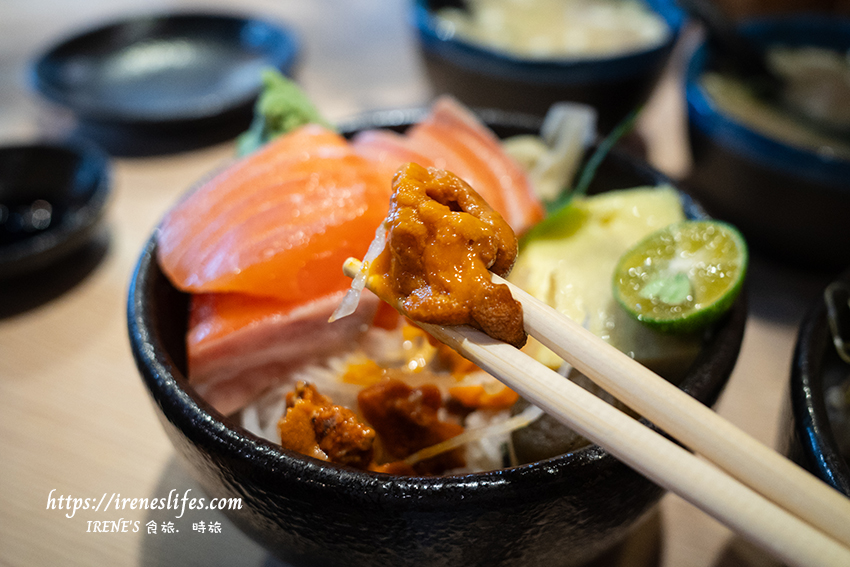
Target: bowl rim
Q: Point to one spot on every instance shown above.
(42, 75)
(42, 249)
(559, 70)
(185, 409)
(705, 117)
(808, 404)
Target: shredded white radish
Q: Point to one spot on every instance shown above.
(352, 297)
(520, 420)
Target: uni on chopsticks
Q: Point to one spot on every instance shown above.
(434, 252)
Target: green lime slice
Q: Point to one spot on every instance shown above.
(683, 277)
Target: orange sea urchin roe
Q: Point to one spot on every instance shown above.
(407, 420)
(443, 238)
(313, 426)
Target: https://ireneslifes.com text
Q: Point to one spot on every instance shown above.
(115, 507)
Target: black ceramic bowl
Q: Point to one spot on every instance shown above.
(163, 76)
(163, 68)
(52, 199)
(791, 203)
(561, 511)
(486, 78)
(810, 439)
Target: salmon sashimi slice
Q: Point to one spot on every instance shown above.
(452, 138)
(390, 149)
(239, 346)
(279, 224)
(233, 180)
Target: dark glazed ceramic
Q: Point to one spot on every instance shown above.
(159, 83)
(557, 512)
(489, 79)
(160, 69)
(809, 437)
(790, 203)
(74, 179)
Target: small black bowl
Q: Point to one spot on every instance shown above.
(175, 73)
(560, 511)
(52, 199)
(478, 76)
(792, 204)
(810, 440)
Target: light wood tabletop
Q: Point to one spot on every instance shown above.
(76, 420)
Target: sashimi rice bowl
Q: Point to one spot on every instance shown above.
(362, 441)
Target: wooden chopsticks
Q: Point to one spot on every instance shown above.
(690, 422)
(746, 485)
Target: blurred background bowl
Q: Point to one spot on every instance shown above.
(560, 511)
(52, 200)
(811, 429)
(791, 203)
(155, 83)
(483, 77)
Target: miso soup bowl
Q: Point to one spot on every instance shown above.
(561, 511)
(810, 438)
(479, 76)
(792, 204)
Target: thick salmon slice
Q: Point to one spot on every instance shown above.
(390, 149)
(450, 137)
(279, 224)
(240, 345)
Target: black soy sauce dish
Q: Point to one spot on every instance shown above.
(156, 83)
(488, 78)
(811, 439)
(52, 200)
(565, 510)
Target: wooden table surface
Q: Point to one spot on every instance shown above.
(75, 418)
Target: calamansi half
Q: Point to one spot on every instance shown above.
(683, 277)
